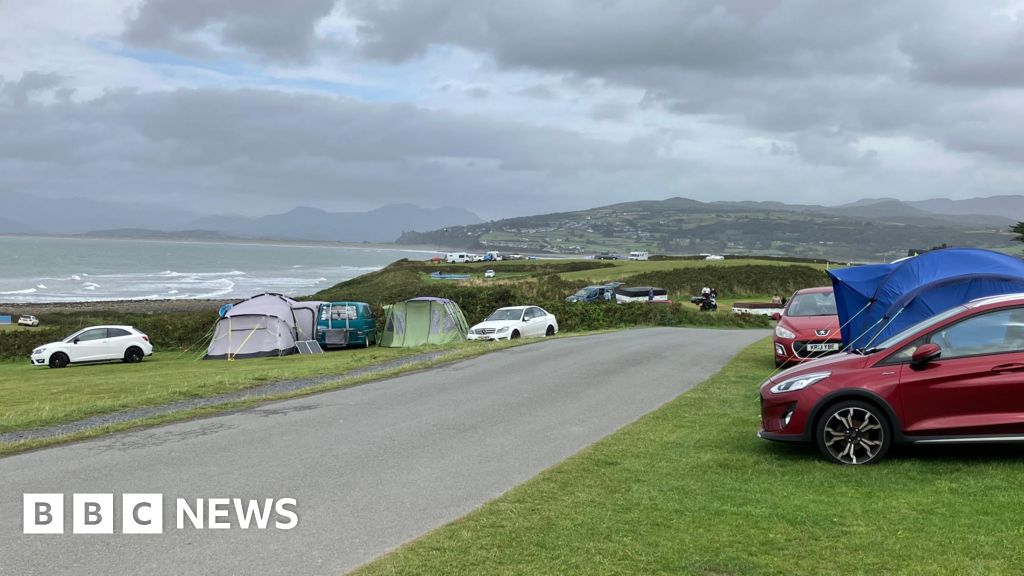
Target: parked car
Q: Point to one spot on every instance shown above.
(95, 344)
(28, 320)
(808, 327)
(345, 324)
(489, 274)
(957, 377)
(515, 322)
(595, 293)
(606, 256)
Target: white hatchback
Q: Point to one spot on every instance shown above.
(95, 344)
(515, 322)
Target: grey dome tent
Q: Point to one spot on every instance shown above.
(264, 325)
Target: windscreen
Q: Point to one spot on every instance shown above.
(814, 304)
(506, 314)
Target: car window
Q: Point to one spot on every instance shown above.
(528, 315)
(812, 304)
(117, 332)
(94, 334)
(990, 333)
(537, 312)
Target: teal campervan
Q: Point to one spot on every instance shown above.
(345, 324)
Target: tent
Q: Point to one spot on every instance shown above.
(878, 301)
(264, 325)
(423, 321)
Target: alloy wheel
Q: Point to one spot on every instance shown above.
(853, 433)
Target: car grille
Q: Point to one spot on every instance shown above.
(483, 331)
(800, 346)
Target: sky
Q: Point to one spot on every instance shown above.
(508, 108)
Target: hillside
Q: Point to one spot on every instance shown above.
(878, 229)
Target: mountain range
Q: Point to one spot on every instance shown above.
(24, 214)
(867, 229)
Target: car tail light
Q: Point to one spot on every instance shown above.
(146, 338)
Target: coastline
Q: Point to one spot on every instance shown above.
(123, 306)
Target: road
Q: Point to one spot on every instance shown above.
(370, 467)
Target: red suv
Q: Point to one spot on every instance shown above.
(956, 377)
(808, 327)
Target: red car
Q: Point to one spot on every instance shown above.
(808, 327)
(956, 377)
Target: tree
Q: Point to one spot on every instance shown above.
(1018, 229)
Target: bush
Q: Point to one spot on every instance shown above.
(734, 280)
(167, 331)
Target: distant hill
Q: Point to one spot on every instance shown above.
(1008, 207)
(384, 224)
(868, 229)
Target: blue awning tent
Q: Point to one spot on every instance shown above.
(878, 301)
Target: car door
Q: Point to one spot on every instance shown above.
(89, 345)
(118, 340)
(538, 322)
(976, 386)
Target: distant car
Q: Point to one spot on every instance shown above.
(606, 256)
(31, 321)
(95, 344)
(595, 293)
(489, 274)
(515, 322)
(808, 327)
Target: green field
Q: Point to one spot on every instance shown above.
(33, 397)
(626, 268)
(689, 489)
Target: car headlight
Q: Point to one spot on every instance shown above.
(799, 383)
(39, 350)
(503, 329)
(781, 332)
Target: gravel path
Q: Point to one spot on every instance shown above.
(264, 390)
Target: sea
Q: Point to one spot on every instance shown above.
(62, 269)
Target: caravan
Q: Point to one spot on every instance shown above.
(639, 255)
(456, 257)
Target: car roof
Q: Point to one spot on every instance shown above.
(515, 307)
(999, 299)
(817, 290)
(126, 327)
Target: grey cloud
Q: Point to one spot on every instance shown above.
(269, 29)
(18, 92)
(213, 148)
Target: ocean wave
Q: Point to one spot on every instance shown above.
(25, 291)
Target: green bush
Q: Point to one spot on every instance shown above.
(734, 280)
(167, 331)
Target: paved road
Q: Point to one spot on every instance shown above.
(371, 467)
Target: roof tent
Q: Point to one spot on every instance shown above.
(422, 321)
(264, 325)
(878, 301)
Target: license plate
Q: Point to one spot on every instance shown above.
(832, 347)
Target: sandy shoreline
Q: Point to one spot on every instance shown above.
(129, 306)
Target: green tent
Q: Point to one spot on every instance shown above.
(422, 321)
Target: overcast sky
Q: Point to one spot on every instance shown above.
(511, 107)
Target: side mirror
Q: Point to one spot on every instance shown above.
(925, 353)
(776, 316)
(75, 341)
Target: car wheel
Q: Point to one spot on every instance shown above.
(133, 355)
(514, 335)
(550, 331)
(59, 360)
(853, 432)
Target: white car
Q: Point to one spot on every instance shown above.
(28, 320)
(515, 322)
(95, 344)
(489, 274)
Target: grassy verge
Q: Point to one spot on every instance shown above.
(451, 354)
(689, 489)
(32, 397)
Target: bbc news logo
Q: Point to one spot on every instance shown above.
(144, 514)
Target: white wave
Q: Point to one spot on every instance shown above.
(76, 277)
(172, 291)
(90, 285)
(26, 291)
(41, 286)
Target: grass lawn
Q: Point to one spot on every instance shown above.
(625, 268)
(689, 489)
(32, 397)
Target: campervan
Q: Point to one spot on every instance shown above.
(492, 256)
(456, 257)
(342, 324)
(638, 255)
